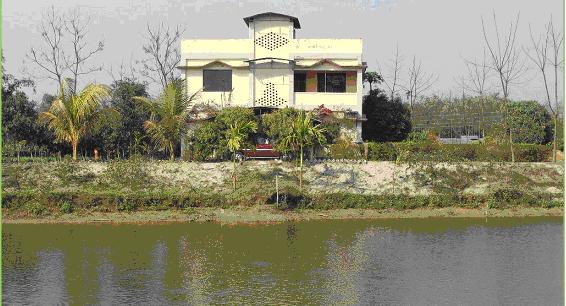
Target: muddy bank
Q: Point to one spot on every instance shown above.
(267, 214)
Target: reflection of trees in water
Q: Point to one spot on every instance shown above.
(345, 263)
(46, 280)
(195, 273)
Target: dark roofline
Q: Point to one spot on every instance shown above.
(295, 20)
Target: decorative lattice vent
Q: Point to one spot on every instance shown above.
(271, 41)
(270, 97)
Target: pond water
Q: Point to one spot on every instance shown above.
(511, 261)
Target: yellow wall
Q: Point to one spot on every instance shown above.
(211, 46)
(328, 46)
(232, 53)
(240, 83)
(332, 100)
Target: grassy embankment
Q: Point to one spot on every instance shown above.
(141, 191)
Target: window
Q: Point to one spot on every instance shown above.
(331, 82)
(300, 81)
(216, 80)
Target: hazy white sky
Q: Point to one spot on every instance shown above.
(439, 32)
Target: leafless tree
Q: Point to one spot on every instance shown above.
(50, 57)
(54, 56)
(392, 78)
(539, 57)
(506, 62)
(476, 82)
(546, 50)
(162, 50)
(77, 27)
(556, 60)
(419, 82)
(123, 72)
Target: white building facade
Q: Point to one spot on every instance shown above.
(274, 69)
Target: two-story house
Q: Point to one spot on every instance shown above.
(274, 69)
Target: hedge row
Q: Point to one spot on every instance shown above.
(65, 202)
(406, 151)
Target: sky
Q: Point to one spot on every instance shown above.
(439, 33)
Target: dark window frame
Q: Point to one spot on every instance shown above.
(300, 85)
(218, 87)
(324, 81)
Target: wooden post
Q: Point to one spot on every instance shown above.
(277, 188)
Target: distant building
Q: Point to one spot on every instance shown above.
(464, 139)
(273, 69)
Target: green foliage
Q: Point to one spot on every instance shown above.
(127, 135)
(235, 115)
(387, 120)
(205, 140)
(431, 151)
(331, 130)
(530, 122)
(278, 124)
(69, 172)
(14, 175)
(66, 208)
(72, 116)
(236, 135)
(169, 115)
(382, 151)
(291, 198)
(372, 77)
(417, 136)
(130, 174)
(208, 139)
(303, 134)
(19, 118)
(344, 148)
(36, 208)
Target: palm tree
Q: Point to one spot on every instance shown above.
(72, 116)
(236, 135)
(303, 134)
(169, 115)
(372, 77)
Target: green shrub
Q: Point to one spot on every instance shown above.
(431, 151)
(533, 153)
(72, 172)
(125, 203)
(345, 148)
(132, 174)
(66, 208)
(382, 151)
(417, 136)
(36, 208)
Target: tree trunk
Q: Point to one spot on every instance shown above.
(75, 145)
(554, 138)
(172, 153)
(511, 143)
(234, 172)
(301, 169)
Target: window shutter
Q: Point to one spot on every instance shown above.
(311, 81)
(351, 84)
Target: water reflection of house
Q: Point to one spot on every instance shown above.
(273, 69)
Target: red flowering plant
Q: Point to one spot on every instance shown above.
(331, 124)
(322, 111)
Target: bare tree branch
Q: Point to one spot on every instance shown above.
(419, 82)
(50, 57)
(392, 78)
(507, 62)
(162, 51)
